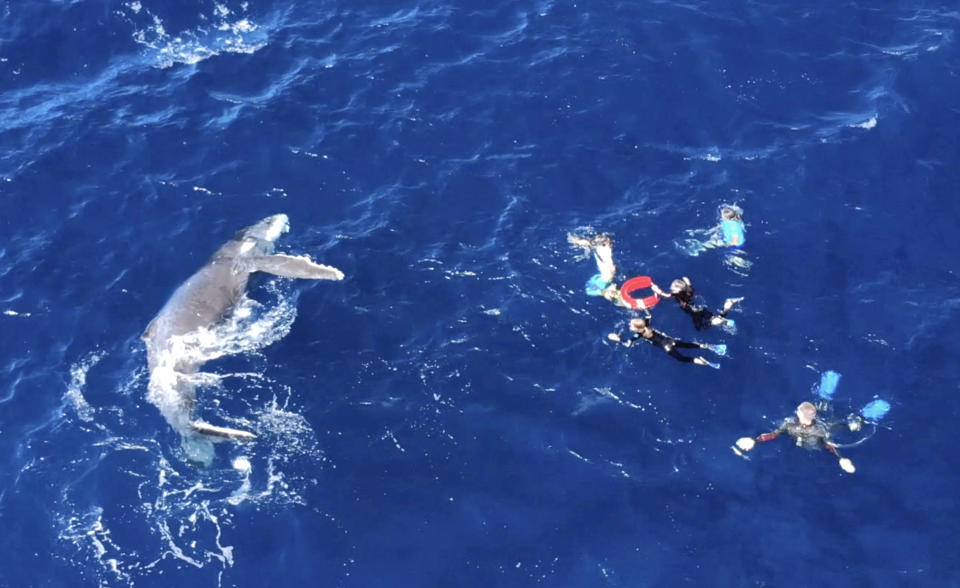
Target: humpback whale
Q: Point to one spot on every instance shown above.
(197, 307)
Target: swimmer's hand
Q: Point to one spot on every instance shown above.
(855, 425)
(847, 465)
(746, 443)
(614, 337)
(577, 241)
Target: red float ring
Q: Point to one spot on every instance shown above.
(634, 284)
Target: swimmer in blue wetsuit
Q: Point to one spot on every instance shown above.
(731, 232)
(602, 283)
(681, 290)
(640, 330)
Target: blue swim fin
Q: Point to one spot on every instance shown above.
(875, 409)
(715, 366)
(730, 326)
(719, 348)
(828, 384)
(595, 285)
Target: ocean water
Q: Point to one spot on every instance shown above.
(451, 414)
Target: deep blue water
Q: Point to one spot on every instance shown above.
(451, 414)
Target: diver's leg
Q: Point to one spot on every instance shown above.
(728, 305)
(603, 255)
(678, 356)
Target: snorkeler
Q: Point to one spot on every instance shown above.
(640, 329)
(602, 283)
(730, 231)
(681, 290)
(809, 432)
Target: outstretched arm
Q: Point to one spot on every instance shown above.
(748, 443)
(625, 341)
(845, 463)
(659, 291)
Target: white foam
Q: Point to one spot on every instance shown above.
(195, 45)
(241, 26)
(88, 533)
(242, 464)
(867, 124)
(78, 381)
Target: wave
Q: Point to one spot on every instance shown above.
(227, 32)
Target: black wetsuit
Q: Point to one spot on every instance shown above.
(702, 317)
(667, 343)
(814, 436)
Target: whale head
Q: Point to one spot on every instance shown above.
(269, 229)
(257, 239)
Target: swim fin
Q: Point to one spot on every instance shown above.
(875, 410)
(828, 384)
(719, 348)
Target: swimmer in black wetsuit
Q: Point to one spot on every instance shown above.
(641, 330)
(809, 432)
(681, 290)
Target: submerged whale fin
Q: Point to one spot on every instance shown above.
(148, 332)
(220, 433)
(290, 266)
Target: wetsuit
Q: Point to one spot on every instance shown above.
(814, 436)
(701, 316)
(667, 343)
(732, 233)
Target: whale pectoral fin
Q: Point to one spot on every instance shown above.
(214, 433)
(290, 266)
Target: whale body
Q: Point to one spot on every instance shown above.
(197, 307)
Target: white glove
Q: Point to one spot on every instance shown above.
(854, 425)
(847, 465)
(746, 443)
(614, 337)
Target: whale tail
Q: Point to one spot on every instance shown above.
(214, 433)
